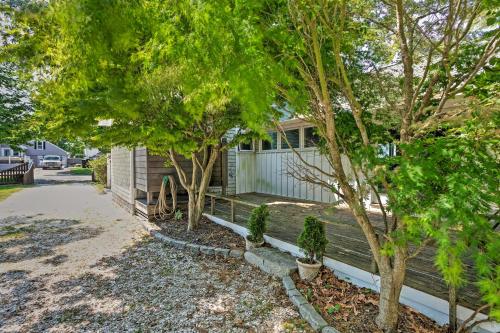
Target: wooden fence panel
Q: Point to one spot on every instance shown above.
(14, 175)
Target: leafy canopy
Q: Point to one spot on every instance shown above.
(168, 73)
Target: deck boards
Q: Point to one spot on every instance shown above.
(346, 241)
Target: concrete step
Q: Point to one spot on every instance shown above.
(272, 261)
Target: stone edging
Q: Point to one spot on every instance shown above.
(306, 310)
(153, 230)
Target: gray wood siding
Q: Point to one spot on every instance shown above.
(231, 171)
(120, 172)
(141, 156)
(157, 168)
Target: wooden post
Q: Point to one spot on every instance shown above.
(232, 212)
(212, 205)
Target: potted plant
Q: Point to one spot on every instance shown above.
(312, 242)
(257, 226)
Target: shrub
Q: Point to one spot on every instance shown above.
(257, 223)
(312, 240)
(178, 215)
(99, 165)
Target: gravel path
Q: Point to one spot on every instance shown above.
(70, 261)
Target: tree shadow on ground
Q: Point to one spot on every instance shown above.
(23, 238)
(18, 293)
(76, 179)
(151, 288)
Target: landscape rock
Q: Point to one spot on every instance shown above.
(314, 319)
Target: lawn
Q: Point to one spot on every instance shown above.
(7, 190)
(80, 171)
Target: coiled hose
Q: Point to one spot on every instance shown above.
(162, 209)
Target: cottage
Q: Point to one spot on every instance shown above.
(35, 151)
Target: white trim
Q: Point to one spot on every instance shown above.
(431, 306)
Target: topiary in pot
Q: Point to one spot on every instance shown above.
(312, 242)
(257, 226)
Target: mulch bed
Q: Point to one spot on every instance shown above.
(352, 309)
(207, 233)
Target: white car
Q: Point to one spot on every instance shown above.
(52, 162)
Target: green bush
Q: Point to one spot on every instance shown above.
(257, 223)
(100, 165)
(312, 240)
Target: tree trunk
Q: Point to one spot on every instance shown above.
(196, 192)
(391, 283)
(452, 302)
(192, 219)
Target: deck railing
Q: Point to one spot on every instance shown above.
(14, 175)
(232, 201)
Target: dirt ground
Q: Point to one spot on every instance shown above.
(71, 261)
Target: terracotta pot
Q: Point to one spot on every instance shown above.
(308, 271)
(252, 245)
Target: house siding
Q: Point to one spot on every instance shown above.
(231, 171)
(121, 161)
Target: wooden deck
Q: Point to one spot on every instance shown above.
(346, 241)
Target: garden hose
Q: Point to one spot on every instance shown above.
(162, 210)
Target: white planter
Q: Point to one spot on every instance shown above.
(252, 245)
(308, 271)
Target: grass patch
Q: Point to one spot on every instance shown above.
(11, 232)
(80, 171)
(8, 190)
(12, 235)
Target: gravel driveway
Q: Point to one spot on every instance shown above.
(72, 261)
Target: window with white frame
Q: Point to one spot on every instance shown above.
(272, 143)
(39, 145)
(311, 137)
(293, 138)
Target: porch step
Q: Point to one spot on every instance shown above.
(272, 261)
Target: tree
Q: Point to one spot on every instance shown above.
(175, 77)
(378, 72)
(74, 147)
(15, 104)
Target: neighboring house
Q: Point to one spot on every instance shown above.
(7, 151)
(35, 151)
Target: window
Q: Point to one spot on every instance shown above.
(246, 146)
(39, 145)
(293, 137)
(311, 138)
(6, 152)
(388, 150)
(273, 144)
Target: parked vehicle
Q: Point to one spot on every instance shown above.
(52, 162)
